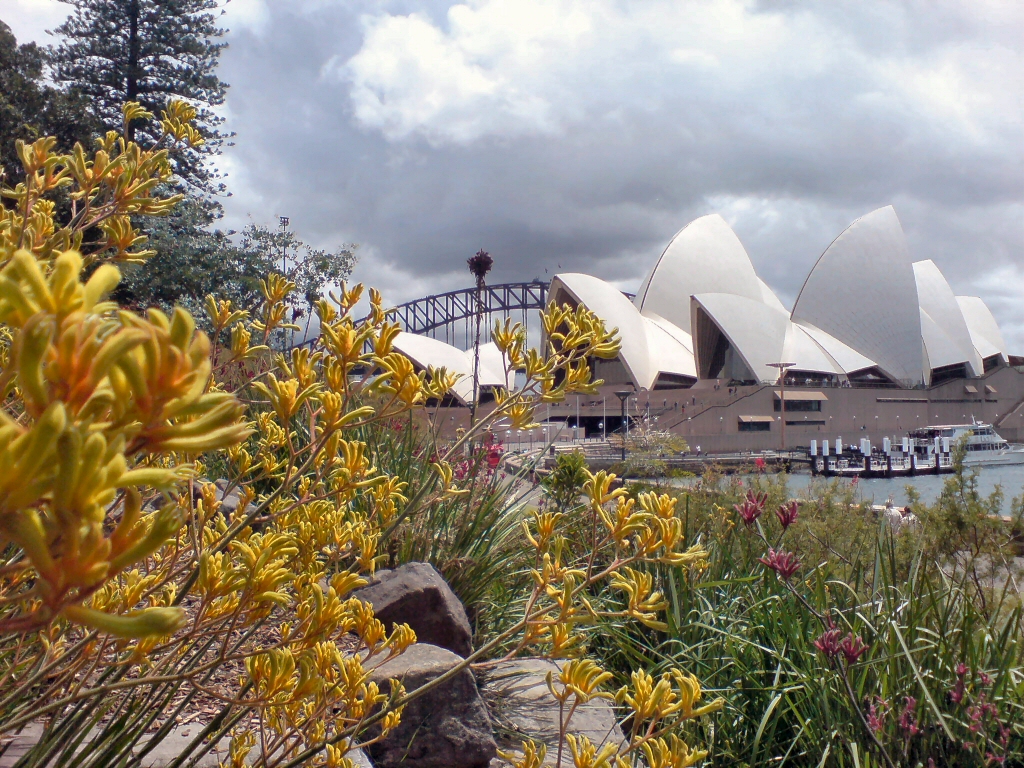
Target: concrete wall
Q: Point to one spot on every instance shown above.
(708, 414)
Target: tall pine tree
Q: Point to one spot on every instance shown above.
(148, 51)
(152, 51)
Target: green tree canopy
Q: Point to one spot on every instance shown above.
(152, 51)
(194, 259)
(309, 268)
(149, 51)
(30, 108)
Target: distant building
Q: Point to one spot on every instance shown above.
(866, 313)
(704, 329)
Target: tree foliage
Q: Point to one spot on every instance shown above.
(563, 486)
(192, 258)
(148, 51)
(128, 587)
(30, 108)
(311, 269)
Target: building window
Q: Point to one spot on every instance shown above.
(799, 406)
(755, 426)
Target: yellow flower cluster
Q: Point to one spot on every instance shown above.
(626, 534)
(135, 574)
(96, 396)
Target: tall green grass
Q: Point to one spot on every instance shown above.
(747, 638)
(474, 540)
(926, 602)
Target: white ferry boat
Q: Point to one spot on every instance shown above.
(984, 445)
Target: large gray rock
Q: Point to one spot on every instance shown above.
(522, 707)
(228, 502)
(447, 727)
(415, 594)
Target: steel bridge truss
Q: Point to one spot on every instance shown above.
(449, 316)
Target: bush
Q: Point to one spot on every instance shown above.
(132, 593)
(776, 621)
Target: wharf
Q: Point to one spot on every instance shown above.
(892, 459)
(605, 456)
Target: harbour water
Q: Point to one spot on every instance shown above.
(878, 490)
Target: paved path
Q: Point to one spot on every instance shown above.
(160, 757)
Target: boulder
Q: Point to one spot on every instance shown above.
(415, 594)
(522, 707)
(359, 759)
(447, 727)
(229, 502)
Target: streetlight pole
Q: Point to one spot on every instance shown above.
(479, 266)
(283, 222)
(782, 396)
(282, 228)
(623, 395)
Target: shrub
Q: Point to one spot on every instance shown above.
(834, 641)
(131, 592)
(563, 486)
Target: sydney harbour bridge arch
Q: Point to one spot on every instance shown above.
(449, 316)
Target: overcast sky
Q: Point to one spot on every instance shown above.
(579, 136)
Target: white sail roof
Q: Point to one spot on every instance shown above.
(673, 330)
(806, 353)
(492, 367)
(756, 331)
(940, 350)
(846, 358)
(427, 352)
(865, 305)
(768, 296)
(984, 330)
(705, 256)
(940, 306)
(862, 292)
(616, 311)
(762, 334)
(667, 353)
(650, 345)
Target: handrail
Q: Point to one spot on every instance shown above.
(721, 405)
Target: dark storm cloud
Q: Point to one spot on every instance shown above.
(584, 134)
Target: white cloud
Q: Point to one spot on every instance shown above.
(29, 19)
(510, 68)
(253, 15)
(581, 134)
(488, 73)
(1002, 288)
(522, 67)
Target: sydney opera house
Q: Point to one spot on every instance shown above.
(875, 344)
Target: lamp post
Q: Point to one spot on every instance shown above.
(782, 395)
(283, 222)
(623, 395)
(479, 265)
